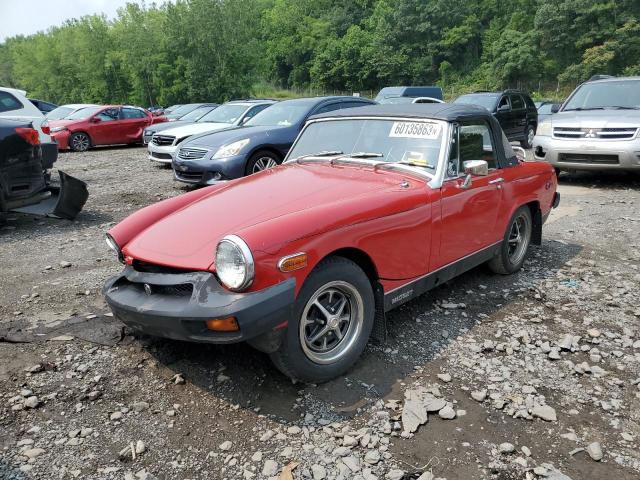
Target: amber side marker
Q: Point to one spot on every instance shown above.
(229, 324)
(292, 262)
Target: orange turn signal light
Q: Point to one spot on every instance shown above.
(292, 262)
(229, 324)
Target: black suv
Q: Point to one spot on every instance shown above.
(514, 110)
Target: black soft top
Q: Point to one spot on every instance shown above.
(449, 112)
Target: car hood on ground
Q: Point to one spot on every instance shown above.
(274, 207)
(597, 119)
(217, 139)
(195, 129)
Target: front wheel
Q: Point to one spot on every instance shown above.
(333, 318)
(529, 133)
(79, 142)
(261, 161)
(515, 243)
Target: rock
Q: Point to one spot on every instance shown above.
(65, 264)
(74, 442)
(395, 474)
(372, 457)
(318, 472)
(140, 406)
(445, 377)
(593, 332)
(595, 451)
(178, 379)
(545, 412)
(349, 441)
(270, 468)
(256, 457)
(116, 416)
(447, 413)
(524, 449)
(225, 446)
(554, 354)
(268, 435)
(352, 462)
(33, 452)
(341, 451)
(31, 402)
(479, 395)
(140, 447)
(506, 448)
(414, 414)
(434, 404)
(294, 430)
(426, 476)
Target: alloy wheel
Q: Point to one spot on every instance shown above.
(80, 142)
(519, 237)
(264, 163)
(331, 322)
(531, 133)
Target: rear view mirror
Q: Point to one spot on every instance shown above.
(476, 167)
(555, 108)
(95, 120)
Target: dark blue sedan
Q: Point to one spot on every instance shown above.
(261, 143)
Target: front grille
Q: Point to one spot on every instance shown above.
(588, 158)
(146, 267)
(146, 138)
(191, 153)
(149, 289)
(163, 140)
(595, 133)
(189, 176)
(161, 156)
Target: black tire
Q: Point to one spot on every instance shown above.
(261, 160)
(297, 357)
(79, 142)
(529, 133)
(507, 261)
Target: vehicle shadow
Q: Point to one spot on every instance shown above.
(416, 336)
(612, 180)
(19, 224)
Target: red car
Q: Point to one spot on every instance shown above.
(106, 125)
(372, 207)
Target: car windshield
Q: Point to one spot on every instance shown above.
(83, 113)
(196, 114)
(183, 110)
(487, 101)
(59, 113)
(228, 113)
(283, 115)
(395, 100)
(545, 109)
(414, 143)
(609, 94)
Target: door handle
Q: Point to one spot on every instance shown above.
(496, 181)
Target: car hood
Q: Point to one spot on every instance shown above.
(61, 123)
(161, 127)
(195, 129)
(217, 139)
(308, 198)
(597, 119)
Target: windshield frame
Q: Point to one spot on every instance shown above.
(434, 178)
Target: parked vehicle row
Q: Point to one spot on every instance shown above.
(187, 119)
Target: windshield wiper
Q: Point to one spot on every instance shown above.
(324, 153)
(621, 107)
(364, 155)
(581, 109)
(415, 164)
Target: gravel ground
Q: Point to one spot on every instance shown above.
(535, 375)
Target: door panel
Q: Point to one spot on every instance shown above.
(105, 131)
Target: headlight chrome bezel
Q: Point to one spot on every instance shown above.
(113, 245)
(243, 249)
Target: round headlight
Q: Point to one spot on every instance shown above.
(234, 263)
(114, 246)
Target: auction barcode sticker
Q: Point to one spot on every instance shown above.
(415, 130)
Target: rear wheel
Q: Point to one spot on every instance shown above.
(333, 318)
(515, 243)
(79, 142)
(260, 161)
(529, 133)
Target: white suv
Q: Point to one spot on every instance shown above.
(14, 105)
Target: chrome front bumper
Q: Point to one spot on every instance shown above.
(162, 154)
(588, 154)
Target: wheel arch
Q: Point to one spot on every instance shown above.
(265, 148)
(536, 218)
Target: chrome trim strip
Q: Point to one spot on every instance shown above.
(246, 252)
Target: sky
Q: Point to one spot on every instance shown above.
(30, 16)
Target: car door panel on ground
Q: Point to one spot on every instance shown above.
(104, 130)
(469, 215)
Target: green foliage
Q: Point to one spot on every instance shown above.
(191, 50)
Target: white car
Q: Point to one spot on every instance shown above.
(64, 111)
(164, 145)
(14, 105)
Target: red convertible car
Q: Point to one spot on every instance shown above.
(105, 125)
(372, 207)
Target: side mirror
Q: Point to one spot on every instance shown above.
(476, 167)
(555, 108)
(95, 120)
(520, 153)
(504, 108)
(245, 120)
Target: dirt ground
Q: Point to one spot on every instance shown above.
(541, 369)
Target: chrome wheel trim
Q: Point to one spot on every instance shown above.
(264, 163)
(80, 142)
(331, 322)
(519, 236)
(531, 133)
